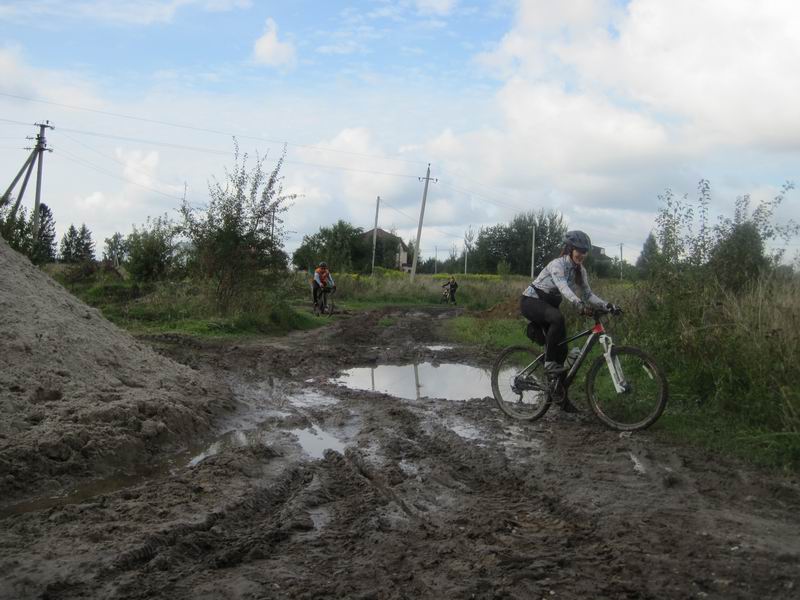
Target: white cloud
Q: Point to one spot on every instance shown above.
(436, 7)
(270, 51)
(718, 70)
(66, 87)
(595, 111)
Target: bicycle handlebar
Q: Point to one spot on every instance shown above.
(596, 313)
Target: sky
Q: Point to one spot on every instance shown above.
(592, 108)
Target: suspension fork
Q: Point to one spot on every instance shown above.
(614, 368)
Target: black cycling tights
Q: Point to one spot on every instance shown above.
(550, 318)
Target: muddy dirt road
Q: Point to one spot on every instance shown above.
(319, 487)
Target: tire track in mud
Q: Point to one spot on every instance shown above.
(414, 509)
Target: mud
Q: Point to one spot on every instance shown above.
(312, 489)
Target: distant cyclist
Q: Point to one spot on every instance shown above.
(322, 279)
(563, 277)
(451, 286)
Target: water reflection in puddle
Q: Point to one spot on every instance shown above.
(315, 441)
(439, 348)
(311, 398)
(428, 380)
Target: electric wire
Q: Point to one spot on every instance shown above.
(227, 153)
(106, 156)
(16, 122)
(82, 161)
(427, 228)
(482, 197)
(208, 130)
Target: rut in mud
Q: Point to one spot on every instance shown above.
(312, 489)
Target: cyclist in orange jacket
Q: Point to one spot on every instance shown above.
(322, 279)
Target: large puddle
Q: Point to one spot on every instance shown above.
(424, 380)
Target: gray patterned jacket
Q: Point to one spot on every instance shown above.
(558, 278)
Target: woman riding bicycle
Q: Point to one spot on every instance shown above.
(563, 277)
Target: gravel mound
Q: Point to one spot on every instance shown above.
(79, 397)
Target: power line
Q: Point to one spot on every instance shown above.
(119, 162)
(484, 198)
(412, 219)
(227, 152)
(17, 122)
(208, 130)
(397, 210)
(82, 161)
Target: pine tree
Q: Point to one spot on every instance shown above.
(17, 231)
(43, 249)
(69, 246)
(649, 256)
(85, 245)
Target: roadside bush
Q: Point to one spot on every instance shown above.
(151, 250)
(239, 234)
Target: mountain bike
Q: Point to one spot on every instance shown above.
(325, 304)
(625, 387)
(445, 297)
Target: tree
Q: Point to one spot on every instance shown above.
(308, 253)
(512, 242)
(43, 248)
(116, 249)
(69, 246)
(649, 256)
(151, 249)
(341, 245)
(16, 231)
(84, 248)
(240, 231)
(733, 252)
(739, 258)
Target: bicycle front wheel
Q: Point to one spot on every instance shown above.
(519, 384)
(644, 391)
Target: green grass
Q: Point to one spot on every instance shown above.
(494, 333)
(708, 425)
(184, 307)
(386, 322)
(718, 433)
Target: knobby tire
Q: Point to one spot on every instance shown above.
(526, 404)
(637, 408)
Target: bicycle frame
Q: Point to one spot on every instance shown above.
(593, 335)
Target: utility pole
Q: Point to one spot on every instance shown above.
(37, 152)
(375, 234)
(620, 260)
(533, 247)
(436, 259)
(427, 179)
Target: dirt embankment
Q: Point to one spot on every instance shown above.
(79, 396)
(311, 489)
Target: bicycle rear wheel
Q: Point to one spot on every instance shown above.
(519, 384)
(643, 399)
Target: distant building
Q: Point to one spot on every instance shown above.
(390, 240)
(599, 253)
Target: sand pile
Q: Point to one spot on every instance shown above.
(78, 396)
